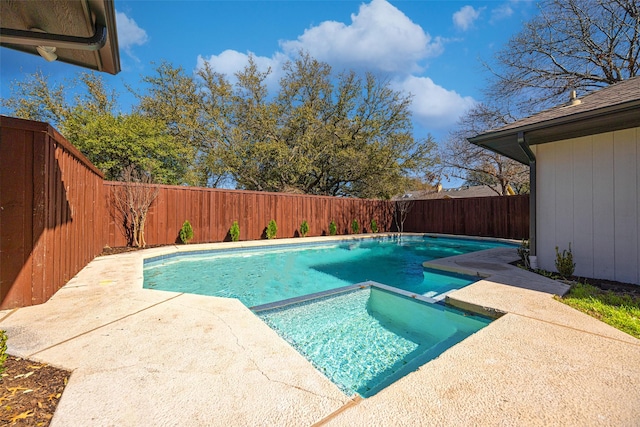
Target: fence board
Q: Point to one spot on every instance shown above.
(499, 216)
(45, 217)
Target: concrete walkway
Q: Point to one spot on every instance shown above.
(154, 358)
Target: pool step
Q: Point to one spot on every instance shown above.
(438, 297)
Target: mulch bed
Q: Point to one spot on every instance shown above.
(30, 392)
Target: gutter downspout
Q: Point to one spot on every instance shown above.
(532, 199)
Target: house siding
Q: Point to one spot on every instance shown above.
(589, 196)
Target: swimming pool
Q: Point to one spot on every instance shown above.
(258, 276)
(363, 340)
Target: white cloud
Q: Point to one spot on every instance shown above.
(501, 12)
(129, 33)
(434, 106)
(230, 62)
(465, 17)
(380, 37)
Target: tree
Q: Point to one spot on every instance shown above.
(401, 207)
(133, 199)
(173, 98)
(114, 143)
(571, 44)
(322, 133)
(110, 140)
(479, 166)
(35, 98)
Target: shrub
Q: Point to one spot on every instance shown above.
(355, 227)
(374, 226)
(234, 231)
(333, 229)
(523, 252)
(186, 232)
(304, 228)
(272, 229)
(3, 350)
(564, 262)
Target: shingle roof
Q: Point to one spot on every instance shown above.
(612, 108)
(619, 93)
(452, 193)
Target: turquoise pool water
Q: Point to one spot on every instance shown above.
(366, 339)
(263, 275)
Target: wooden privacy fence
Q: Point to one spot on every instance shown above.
(56, 213)
(211, 213)
(499, 216)
(51, 212)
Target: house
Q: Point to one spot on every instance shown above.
(454, 193)
(585, 182)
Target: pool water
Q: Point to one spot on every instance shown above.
(366, 339)
(264, 275)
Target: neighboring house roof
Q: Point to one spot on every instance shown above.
(79, 32)
(451, 193)
(612, 108)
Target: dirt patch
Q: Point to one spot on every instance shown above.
(30, 392)
(122, 249)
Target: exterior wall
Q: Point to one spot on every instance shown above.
(589, 196)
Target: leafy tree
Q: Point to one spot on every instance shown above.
(322, 134)
(570, 44)
(111, 141)
(35, 98)
(173, 98)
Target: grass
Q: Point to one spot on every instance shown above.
(622, 311)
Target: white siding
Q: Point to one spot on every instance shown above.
(589, 196)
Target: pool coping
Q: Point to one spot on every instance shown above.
(103, 320)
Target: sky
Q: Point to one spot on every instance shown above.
(429, 49)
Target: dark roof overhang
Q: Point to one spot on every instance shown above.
(505, 141)
(82, 31)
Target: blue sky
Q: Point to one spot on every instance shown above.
(430, 49)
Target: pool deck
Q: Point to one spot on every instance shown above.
(155, 358)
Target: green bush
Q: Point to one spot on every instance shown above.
(333, 229)
(234, 231)
(186, 232)
(3, 350)
(355, 226)
(304, 228)
(564, 262)
(374, 226)
(523, 253)
(272, 229)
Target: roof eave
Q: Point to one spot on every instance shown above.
(607, 119)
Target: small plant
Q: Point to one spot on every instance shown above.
(186, 232)
(272, 229)
(374, 226)
(564, 262)
(355, 226)
(333, 229)
(234, 231)
(523, 253)
(3, 350)
(304, 228)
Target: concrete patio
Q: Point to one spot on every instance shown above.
(155, 358)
